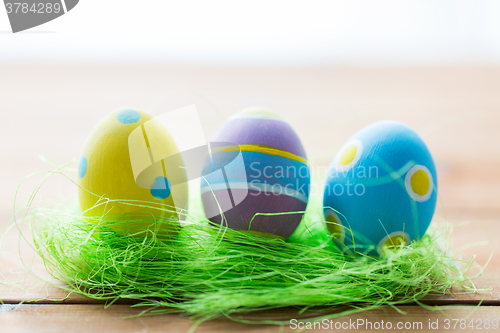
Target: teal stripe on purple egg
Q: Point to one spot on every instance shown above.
(263, 173)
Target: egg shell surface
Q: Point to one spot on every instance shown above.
(382, 186)
(105, 170)
(275, 178)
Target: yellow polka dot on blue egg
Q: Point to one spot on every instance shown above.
(381, 189)
(105, 170)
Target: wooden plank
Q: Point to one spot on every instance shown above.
(94, 318)
(454, 109)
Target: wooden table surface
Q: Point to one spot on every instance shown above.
(49, 110)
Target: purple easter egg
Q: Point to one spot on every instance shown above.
(267, 173)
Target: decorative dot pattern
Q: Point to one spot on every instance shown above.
(334, 225)
(394, 242)
(82, 167)
(420, 182)
(160, 189)
(348, 155)
(128, 116)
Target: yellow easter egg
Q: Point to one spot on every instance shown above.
(125, 159)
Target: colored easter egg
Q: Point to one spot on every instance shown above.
(119, 143)
(381, 189)
(273, 176)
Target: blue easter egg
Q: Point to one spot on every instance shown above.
(381, 189)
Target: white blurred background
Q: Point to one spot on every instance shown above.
(329, 67)
(258, 32)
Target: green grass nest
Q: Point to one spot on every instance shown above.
(209, 271)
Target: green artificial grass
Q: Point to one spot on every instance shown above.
(208, 271)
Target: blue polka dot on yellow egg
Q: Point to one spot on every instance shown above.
(82, 167)
(128, 116)
(160, 189)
